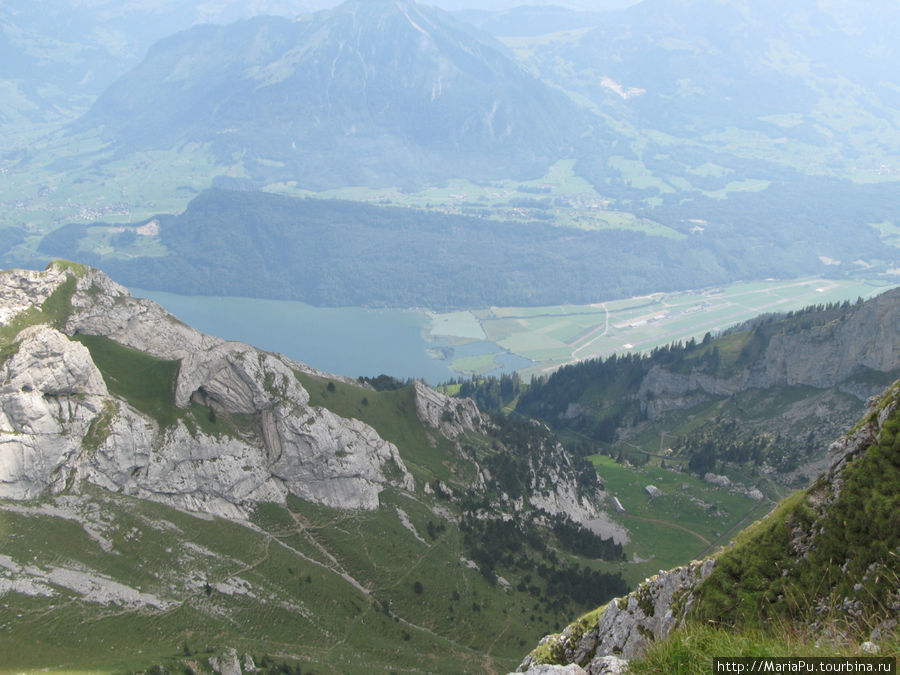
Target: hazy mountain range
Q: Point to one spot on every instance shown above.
(374, 92)
(747, 127)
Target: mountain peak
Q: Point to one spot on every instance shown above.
(374, 91)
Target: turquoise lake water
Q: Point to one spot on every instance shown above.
(349, 341)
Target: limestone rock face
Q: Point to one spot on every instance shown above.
(100, 306)
(627, 625)
(452, 416)
(23, 289)
(50, 393)
(226, 663)
(222, 476)
(559, 496)
(648, 611)
(662, 390)
(334, 461)
(237, 378)
(870, 338)
(61, 426)
(49, 362)
(542, 669)
(820, 356)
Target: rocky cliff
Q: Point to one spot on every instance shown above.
(865, 338)
(602, 642)
(61, 425)
(103, 388)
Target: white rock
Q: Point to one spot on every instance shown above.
(716, 479)
(570, 669)
(628, 624)
(24, 289)
(452, 416)
(226, 663)
(51, 393)
(607, 665)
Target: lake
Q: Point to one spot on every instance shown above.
(349, 341)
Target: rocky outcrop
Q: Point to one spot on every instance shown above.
(51, 393)
(59, 424)
(822, 356)
(819, 356)
(452, 416)
(100, 306)
(626, 625)
(662, 390)
(556, 493)
(25, 289)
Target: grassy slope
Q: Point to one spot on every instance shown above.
(338, 591)
(813, 578)
(691, 650)
(298, 609)
(851, 550)
(686, 522)
(147, 383)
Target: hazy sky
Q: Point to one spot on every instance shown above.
(301, 6)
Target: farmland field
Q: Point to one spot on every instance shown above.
(550, 337)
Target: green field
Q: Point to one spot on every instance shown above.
(48, 193)
(551, 337)
(54, 188)
(560, 197)
(691, 518)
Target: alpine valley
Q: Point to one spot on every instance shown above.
(174, 501)
(543, 179)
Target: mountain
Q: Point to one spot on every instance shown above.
(167, 496)
(57, 58)
(778, 388)
(743, 140)
(804, 84)
(817, 576)
(533, 20)
(370, 93)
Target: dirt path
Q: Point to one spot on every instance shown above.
(336, 567)
(668, 524)
(754, 513)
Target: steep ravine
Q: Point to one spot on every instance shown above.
(826, 558)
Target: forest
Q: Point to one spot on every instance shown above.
(342, 253)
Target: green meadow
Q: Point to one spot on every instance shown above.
(689, 520)
(554, 336)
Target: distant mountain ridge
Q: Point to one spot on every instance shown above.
(735, 124)
(372, 92)
(735, 77)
